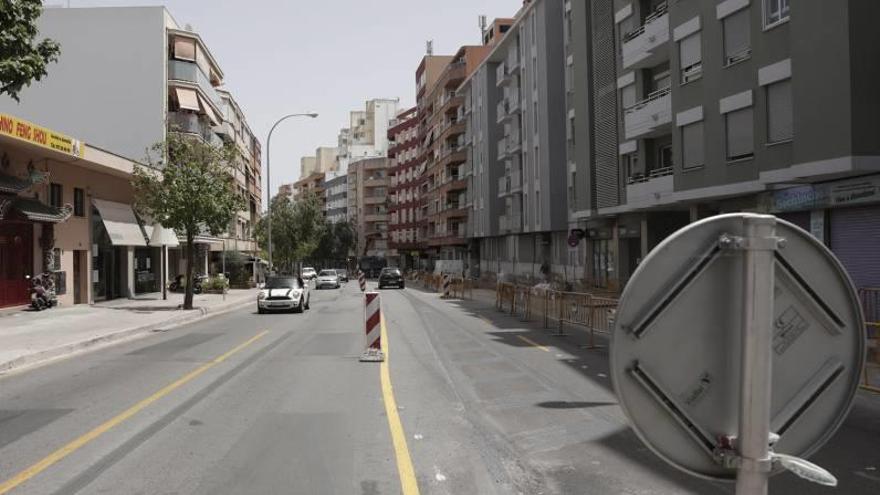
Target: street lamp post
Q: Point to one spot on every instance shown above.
(269, 176)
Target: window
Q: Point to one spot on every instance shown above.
(780, 121)
(737, 45)
(664, 157)
(693, 154)
(775, 12)
(56, 195)
(691, 58)
(628, 96)
(79, 202)
(740, 133)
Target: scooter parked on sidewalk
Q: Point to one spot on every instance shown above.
(42, 291)
(179, 284)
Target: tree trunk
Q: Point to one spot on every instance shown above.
(190, 260)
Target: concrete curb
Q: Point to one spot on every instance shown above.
(118, 336)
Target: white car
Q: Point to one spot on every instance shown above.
(283, 293)
(327, 278)
(309, 273)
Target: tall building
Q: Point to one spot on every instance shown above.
(723, 107)
(336, 197)
(130, 75)
(307, 165)
(325, 159)
(517, 129)
(444, 180)
(367, 133)
(404, 175)
(368, 205)
(311, 185)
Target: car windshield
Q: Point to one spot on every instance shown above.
(327, 273)
(390, 271)
(282, 283)
(310, 270)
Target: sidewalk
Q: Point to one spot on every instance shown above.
(29, 337)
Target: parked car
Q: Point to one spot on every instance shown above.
(391, 276)
(283, 293)
(343, 274)
(327, 278)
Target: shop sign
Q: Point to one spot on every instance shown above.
(839, 193)
(23, 130)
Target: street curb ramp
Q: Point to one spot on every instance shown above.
(46, 355)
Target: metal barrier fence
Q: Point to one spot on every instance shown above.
(558, 308)
(870, 298)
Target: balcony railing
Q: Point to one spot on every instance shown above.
(650, 116)
(653, 96)
(181, 70)
(647, 45)
(191, 123)
(653, 16)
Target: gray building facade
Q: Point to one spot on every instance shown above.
(517, 147)
(735, 105)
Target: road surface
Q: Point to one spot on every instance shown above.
(243, 403)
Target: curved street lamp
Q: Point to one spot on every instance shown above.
(269, 175)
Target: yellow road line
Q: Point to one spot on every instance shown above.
(408, 483)
(80, 442)
(533, 343)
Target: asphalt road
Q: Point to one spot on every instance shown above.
(279, 404)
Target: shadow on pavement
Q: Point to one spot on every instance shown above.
(562, 404)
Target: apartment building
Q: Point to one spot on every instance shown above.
(287, 190)
(444, 181)
(367, 133)
(517, 115)
(718, 107)
(307, 165)
(368, 205)
(336, 197)
(404, 177)
(155, 77)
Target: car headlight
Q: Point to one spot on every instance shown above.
(295, 293)
(261, 295)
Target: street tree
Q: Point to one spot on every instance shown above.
(23, 58)
(297, 229)
(190, 189)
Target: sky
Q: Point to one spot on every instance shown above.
(326, 56)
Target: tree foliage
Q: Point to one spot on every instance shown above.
(23, 59)
(189, 189)
(297, 230)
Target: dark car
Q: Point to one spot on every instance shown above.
(343, 274)
(391, 277)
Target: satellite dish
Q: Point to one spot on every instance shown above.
(678, 343)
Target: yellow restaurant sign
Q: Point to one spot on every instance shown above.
(47, 138)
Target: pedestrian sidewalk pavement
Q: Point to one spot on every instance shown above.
(29, 337)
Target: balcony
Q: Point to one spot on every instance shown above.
(180, 70)
(510, 224)
(191, 123)
(512, 61)
(374, 200)
(376, 182)
(503, 186)
(650, 117)
(375, 217)
(647, 45)
(516, 181)
(648, 190)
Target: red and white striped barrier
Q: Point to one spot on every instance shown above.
(362, 279)
(373, 326)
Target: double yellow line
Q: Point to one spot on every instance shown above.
(84, 440)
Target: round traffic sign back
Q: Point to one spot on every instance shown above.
(676, 345)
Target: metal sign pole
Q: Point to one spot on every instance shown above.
(757, 339)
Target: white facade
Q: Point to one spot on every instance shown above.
(367, 133)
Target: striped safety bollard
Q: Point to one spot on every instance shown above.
(447, 280)
(362, 279)
(373, 325)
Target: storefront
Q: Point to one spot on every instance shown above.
(845, 216)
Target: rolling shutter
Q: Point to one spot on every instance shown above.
(690, 51)
(855, 240)
(740, 133)
(692, 145)
(736, 35)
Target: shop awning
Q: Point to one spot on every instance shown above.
(167, 237)
(34, 210)
(121, 224)
(188, 99)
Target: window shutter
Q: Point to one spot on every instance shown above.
(690, 50)
(692, 145)
(740, 133)
(202, 61)
(736, 34)
(780, 121)
(185, 49)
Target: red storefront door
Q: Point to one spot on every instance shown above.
(16, 262)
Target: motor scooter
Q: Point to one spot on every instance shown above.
(42, 290)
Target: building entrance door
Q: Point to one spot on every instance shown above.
(16, 262)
